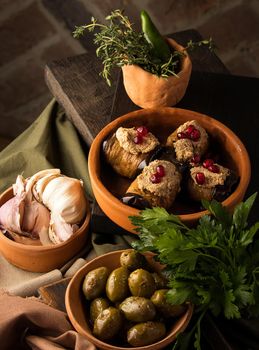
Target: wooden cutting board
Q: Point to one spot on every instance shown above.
(53, 294)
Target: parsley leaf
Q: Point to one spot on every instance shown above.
(214, 265)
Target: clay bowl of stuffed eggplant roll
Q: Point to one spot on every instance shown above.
(166, 157)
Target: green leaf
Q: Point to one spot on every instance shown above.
(248, 235)
(225, 279)
(179, 296)
(231, 310)
(242, 211)
(218, 211)
(205, 296)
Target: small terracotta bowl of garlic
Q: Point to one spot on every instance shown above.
(44, 221)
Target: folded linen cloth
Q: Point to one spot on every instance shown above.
(30, 324)
(50, 142)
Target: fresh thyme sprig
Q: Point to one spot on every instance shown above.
(119, 44)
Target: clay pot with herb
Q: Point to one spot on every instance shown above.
(156, 70)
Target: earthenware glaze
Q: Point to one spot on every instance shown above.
(147, 90)
(42, 258)
(108, 186)
(77, 311)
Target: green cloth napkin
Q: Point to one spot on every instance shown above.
(50, 142)
(53, 142)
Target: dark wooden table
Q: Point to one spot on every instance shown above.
(91, 104)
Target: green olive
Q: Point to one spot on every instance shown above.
(146, 333)
(132, 260)
(117, 284)
(95, 282)
(138, 309)
(164, 307)
(97, 306)
(160, 281)
(108, 323)
(141, 283)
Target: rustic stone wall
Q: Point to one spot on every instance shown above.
(33, 32)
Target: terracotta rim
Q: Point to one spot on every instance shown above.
(94, 156)
(158, 345)
(47, 247)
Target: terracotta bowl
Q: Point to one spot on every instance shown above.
(108, 186)
(42, 258)
(77, 309)
(147, 90)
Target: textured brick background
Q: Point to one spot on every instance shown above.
(33, 32)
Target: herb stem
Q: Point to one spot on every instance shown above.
(209, 256)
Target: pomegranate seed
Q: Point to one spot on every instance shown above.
(195, 135)
(190, 129)
(142, 131)
(155, 178)
(182, 135)
(207, 163)
(200, 178)
(160, 170)
(196, 159)
(138, 139)
(213, 168)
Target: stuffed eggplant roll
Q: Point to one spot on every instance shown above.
(156, 186)
(127, 148)
(190, 141)
(210, 181)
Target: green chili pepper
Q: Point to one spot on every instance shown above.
(160, 48)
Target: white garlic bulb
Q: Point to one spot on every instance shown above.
(48, 205)
(65, 196)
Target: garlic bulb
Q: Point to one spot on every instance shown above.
(48, 206)
(65, 195)
(25, 216)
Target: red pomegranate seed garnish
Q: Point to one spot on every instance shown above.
(213, 168)
(155, 178)
(207, 163)
(182, 135)
(160, 170)
(138, 139)
(190, 129)
(196, 159)
(195, 135)
(200, 178)
(142, 130)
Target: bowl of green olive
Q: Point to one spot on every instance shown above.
(118, 301)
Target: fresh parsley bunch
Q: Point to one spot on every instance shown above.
(215, 266)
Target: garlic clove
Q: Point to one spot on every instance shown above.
(59, 230)
(40, 185)
(19, 186)
(44, 236)
(36, 218)
(65, 196)
(11, 214)
(33, 179)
